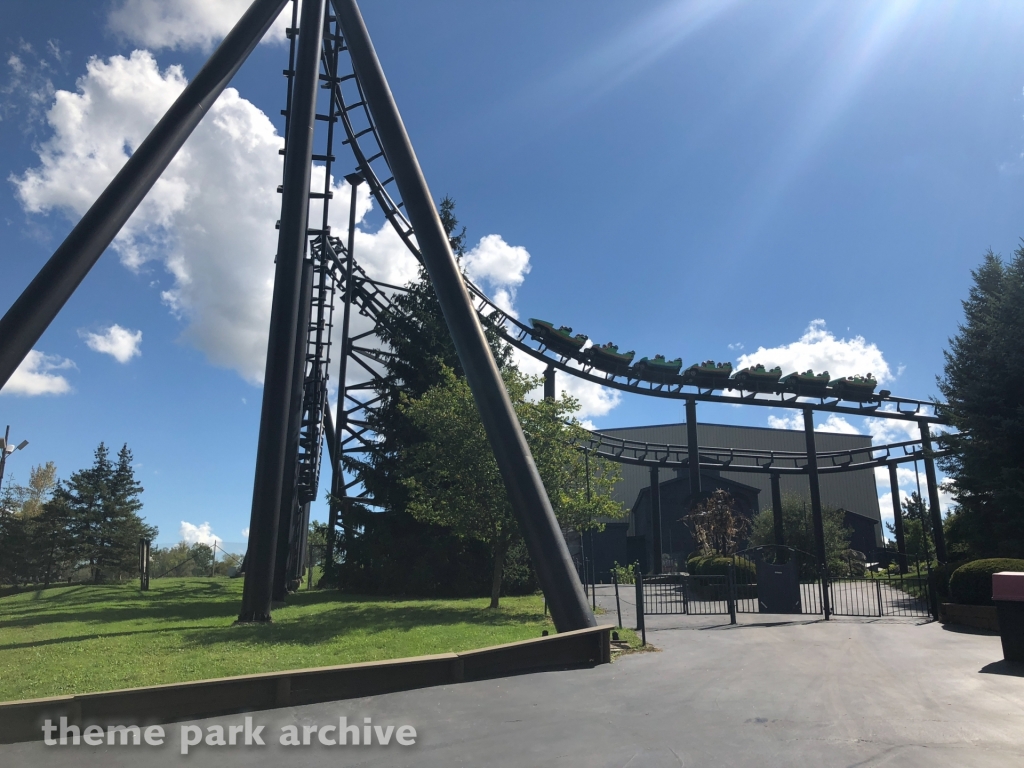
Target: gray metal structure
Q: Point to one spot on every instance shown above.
(853, 490)
(277, 450)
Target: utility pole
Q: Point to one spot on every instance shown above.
(6, 449)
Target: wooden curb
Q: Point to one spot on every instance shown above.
(23, 720)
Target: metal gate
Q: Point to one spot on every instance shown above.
(856, 590)
(777, 579)
(783, 580)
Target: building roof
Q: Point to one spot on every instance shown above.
(853, 491)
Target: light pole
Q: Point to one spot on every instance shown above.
(6, 449)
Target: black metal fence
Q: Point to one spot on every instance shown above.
(783, 580)
(678, 593)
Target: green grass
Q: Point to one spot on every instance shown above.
(92, 638)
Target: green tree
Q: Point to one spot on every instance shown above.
(798, 531)
(182, 559)
(14, 536)
(453, 479)
(103, 504)
(983, 384)
(42, 480)
(917, 528)
(56, 553)
(392, 552)
(420, 349)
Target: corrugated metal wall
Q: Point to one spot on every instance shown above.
(853, 491)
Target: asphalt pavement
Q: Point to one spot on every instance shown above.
(768, 691)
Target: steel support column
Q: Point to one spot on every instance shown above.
(655, 521)
(337, 488)
(933, 493)
(284, 319)
(780, 534)
(336, 513)
(818, 522)
(529, 500)
(549, 383)
(897, 517)
(693, 449)
(39, 303)
(290, 507)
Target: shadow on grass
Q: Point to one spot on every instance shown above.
(109, 603)
(309, 618)
(100, 636)
(362, 617)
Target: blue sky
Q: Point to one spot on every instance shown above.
(700, 179)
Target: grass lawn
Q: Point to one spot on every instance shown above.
(93, 638)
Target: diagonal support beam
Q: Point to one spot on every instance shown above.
(30, 316)
(529, 500)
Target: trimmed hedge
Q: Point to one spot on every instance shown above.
(971, 583)
(718, 565)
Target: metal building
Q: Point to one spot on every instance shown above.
(630, 540)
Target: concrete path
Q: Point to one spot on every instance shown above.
(849, 692)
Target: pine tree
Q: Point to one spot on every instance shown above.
(394, 552)
(56, 552)
(983, 384)
(103, 504)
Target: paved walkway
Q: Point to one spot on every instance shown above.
(849, 692)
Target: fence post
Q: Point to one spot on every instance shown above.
(933, 599)
(732, 591)
(144, 564)
(640, 605)
(618, 608)
(823, 582)
(878, 590)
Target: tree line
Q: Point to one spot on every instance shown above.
(85, 528)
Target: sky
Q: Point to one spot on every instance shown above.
(806, 184)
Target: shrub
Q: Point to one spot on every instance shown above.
(718, 565)
(971, 583)
(939, 580)
(624, 574)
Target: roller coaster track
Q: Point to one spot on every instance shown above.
(359, 395)
(361, 137)
(373, 300)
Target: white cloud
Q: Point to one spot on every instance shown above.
(158, 24)
(120, 343)
(35, 376)
(494, 264)
(835, 423)
(819, 350)
(796, 421)
(905, 477)
(245, 532)
(210, 218)
(28, 87)
(198, 534)
(884, 430)
(594, 399)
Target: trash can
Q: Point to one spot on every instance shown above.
(1008, 595)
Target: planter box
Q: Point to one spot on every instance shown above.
(977, 616)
